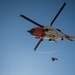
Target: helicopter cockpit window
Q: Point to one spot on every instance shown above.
(45, 29)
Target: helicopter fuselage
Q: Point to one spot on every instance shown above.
(47, 33)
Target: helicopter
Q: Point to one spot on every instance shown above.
(48, 32)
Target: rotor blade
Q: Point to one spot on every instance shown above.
(58, 14)
(31, 21)
(38, 44)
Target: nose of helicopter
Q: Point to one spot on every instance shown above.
(28, 31)
(31, 31)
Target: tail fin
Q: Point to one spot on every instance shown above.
(72, 38)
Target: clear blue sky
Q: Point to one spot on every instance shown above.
(17, 56)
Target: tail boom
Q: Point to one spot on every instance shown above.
(71, 38)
